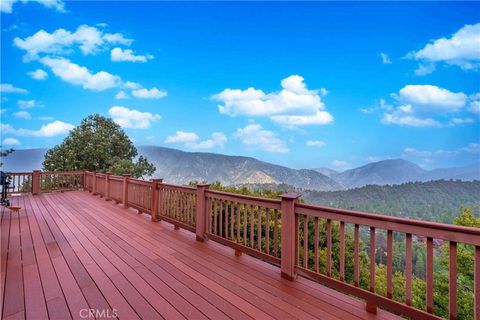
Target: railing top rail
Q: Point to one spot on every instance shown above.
(262, 201)
(174, 186)
(61, 172)
(140, 182)
(392, 219)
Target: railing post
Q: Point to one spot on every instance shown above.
(84, 182)
(94, 183)
(201, 212)
(289, 241)
(125, 190)
(156, 194)
(107, 186)
(36, 182)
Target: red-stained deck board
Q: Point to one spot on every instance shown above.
(68, 251)
(352, 309)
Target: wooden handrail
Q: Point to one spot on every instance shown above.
(283, 232)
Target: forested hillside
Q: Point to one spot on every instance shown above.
(434, 200)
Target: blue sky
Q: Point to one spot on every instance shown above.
(313, 84)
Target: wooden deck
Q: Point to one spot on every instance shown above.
(66, 253)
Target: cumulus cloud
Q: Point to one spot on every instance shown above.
(89, 39)
(10, 142)
(131, 118)
(22, 115)
(385, 58)
(424, 106)
(38, 74)
(192, 140)
(6, 6)
(26, 104)
(461, 49)
(254, 135)
(78, 75)
(121, 95)
(153, 93)
(294, 105)
(119, 55)
(51, 129)
(474, 106)
(315, 143)
(8, 88)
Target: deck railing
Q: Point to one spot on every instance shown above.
(298, 237)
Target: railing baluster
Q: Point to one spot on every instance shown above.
(252, 225)
(429, 275)
(259, 229)
(408, 269)
(245, 216)
(342, 251)
(232, 220)
(329, 247)
(209, 214)
(239, 211)
(225, 225)
(371, 307)
(315, 245)
(452, 281)
(356, 260)
(267, 230)
(305, 241)
(389, 264)
(275, 233)
(215, 217)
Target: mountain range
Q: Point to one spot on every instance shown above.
(181, 167)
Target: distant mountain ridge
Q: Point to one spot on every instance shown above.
(176, 166)
(182, 167)
(398, 171)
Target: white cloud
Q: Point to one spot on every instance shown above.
(131, 85)
(461, 49)
(131, 118)
(121, 95)
(294, 105)
(471, 148)
(8, 88)
(315, 143)
(10, 142)
(409, 121)
(474, 106)
(340, 164)
(431, 98)
(26, 104)
(38, 74)
(78, 75)
(6, 6)
(424, 69)
(22, 115)
(255, 135)
(424, 106)
(51, 129)
(118, 55)
(458, 121)
(385, 58)
(90, 40)
(153, 93)
(192, 140)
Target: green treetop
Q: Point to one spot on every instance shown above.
(97, 144)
